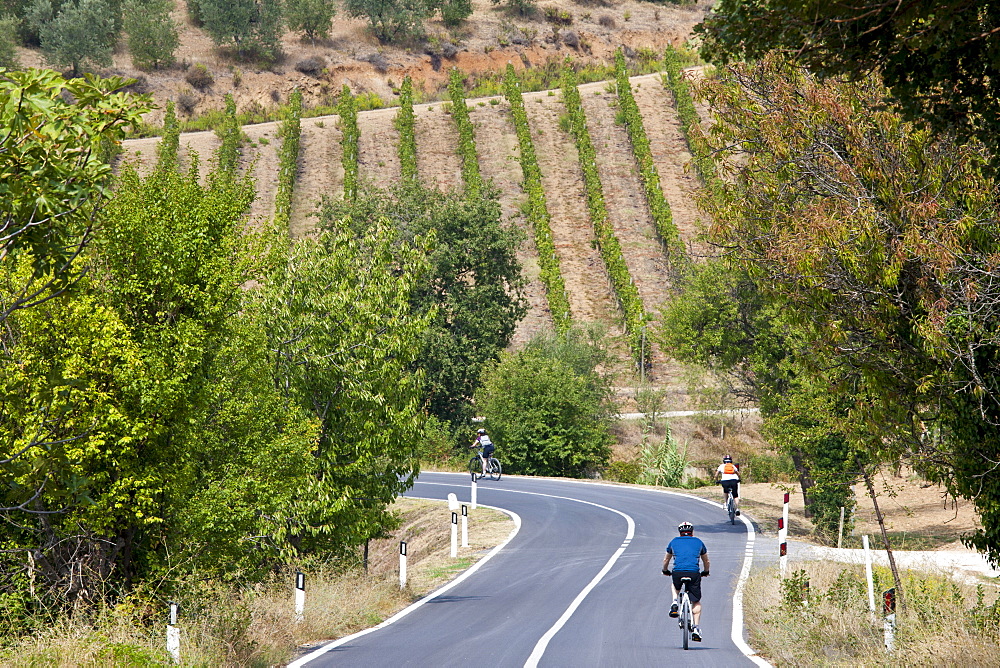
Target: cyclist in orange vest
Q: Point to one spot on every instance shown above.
(728, 475)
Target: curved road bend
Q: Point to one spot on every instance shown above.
(574, 553)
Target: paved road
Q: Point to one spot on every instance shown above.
(579, 585)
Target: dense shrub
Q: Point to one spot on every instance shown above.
(312, 66)
(199, 77)
(545, 416)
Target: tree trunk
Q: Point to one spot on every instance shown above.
(805, 480)
(885, 540)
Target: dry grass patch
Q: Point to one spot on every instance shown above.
(828, 623)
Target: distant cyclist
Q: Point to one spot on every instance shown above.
(685, 550)
(728, 475)
(483, 441)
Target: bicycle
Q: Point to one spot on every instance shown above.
(493, 468)
(731, 507)
(685, 612)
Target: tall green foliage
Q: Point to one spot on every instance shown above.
(231, 138)
(939, 59)
(52, 178)
(473, 285)
(405, 122)
(79, 34)
(393, 20)
(8, 42)
(311, 17)
(466, 134)
(347, 109)
(537, 210)
(288, 159)
(548, 409)
(171, 445)
(690, 121)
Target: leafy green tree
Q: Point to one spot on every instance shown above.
(877, 239)
(150, 437)
(453, 12)
(393, 20)
(547, 411)
(81, 34)
(8, 42)
(344, 336)
(940, 59)
(473, 286)
(311, 17)
(152, 33)
(252, 28)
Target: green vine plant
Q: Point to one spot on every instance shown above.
(166, 149)
(348, 111)
(288, 159)
(466, 134)
(610, 248)
(679, 86)
(536, 209)
(405, 126)
(231, 135)
(659, 208)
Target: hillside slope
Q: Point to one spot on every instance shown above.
(590, 294)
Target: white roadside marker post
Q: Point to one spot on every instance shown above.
(840, 529)
(173, 635)
(889, 610)
(300, 596)
(454, 534)
(868, 575)
(465, 525)
(402, 564)
(783, 538)
(473, 504)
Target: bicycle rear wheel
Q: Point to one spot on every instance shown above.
(685, 620)
(495, 469)
(731, 507)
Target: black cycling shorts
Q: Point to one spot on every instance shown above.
(694, 587)
(488, 451)
(731, 486)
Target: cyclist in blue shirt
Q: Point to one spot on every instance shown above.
(685, 551)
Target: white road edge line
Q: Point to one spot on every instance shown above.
(315, 654)
(543, 642)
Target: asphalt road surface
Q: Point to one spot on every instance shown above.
(578, 585)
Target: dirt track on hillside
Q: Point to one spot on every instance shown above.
(438, 164)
